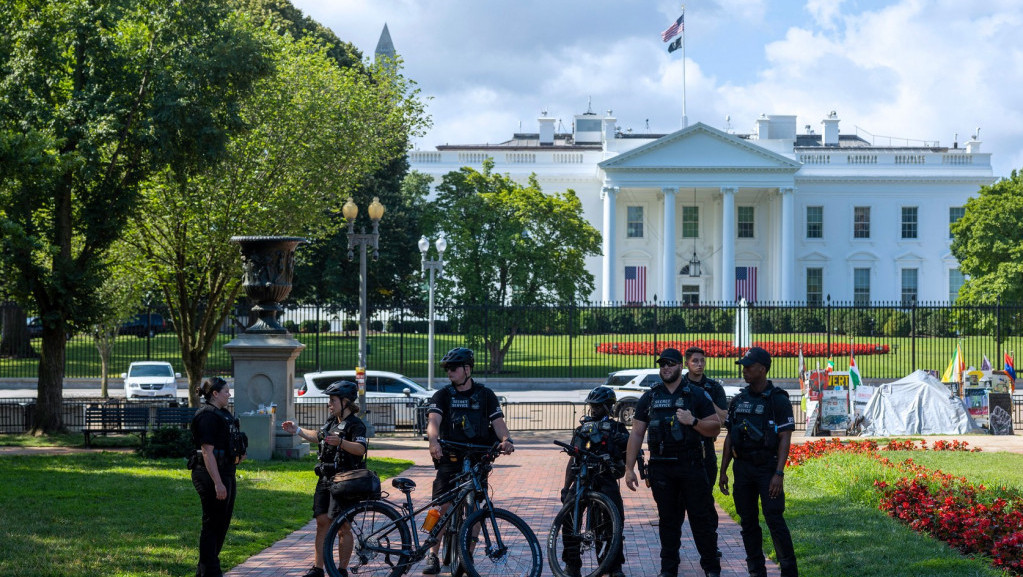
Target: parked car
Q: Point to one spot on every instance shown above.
(139, 326)
(388, 391)
(146, 379)
(630, 384)
(35, 327)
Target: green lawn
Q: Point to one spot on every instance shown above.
(838, 530)
(117, 514)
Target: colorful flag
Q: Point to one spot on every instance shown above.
(676, 27)
(986, 364)
(802, 370)
(956, 367)
(746, 283)
(1009, 366)
(828, 368)
(854, 374)
(635, 284)
(675, 45)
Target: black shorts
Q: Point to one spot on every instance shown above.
(325, 503)
(445, 479)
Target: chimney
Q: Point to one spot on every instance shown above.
(763, 124)
(830, 132)
(546, 130)
(610, 122)
(973, 146)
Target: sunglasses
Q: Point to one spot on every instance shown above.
(668, 364)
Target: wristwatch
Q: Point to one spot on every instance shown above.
(780, 473)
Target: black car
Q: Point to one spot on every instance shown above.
(140, 326)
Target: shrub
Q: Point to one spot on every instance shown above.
(350, 325)
(166, 442)
(291, 326)
(376, 326)
(897, 325)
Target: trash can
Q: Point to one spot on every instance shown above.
(259, 427)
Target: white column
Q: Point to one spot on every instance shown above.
(608, 194)
(788, 259)
(668, 266)
(727, 244)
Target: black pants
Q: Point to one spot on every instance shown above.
(216, 517)
(751, 486)
(609, 487)
(680, 487)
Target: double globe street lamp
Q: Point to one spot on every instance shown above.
(376, 211)
(433, 266)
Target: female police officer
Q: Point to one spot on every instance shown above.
(219, 448)
(342, 447)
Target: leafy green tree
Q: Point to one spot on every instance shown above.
(315, 132)
(118, 296)
(988, 243)
(96, 95)
(510, 245)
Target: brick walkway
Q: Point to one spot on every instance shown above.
(528, 483)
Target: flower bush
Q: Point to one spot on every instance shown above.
(965, 515)
(718, 348)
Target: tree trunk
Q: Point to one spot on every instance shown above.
(49, 412)
(14, 340)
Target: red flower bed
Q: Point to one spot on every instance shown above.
(949, 508)
(716, 348)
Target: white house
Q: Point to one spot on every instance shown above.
(705, 215)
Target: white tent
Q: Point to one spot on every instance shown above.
(918, 404)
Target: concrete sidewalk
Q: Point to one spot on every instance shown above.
(528, 483)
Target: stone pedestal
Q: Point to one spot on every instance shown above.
(259, 429)
(264, 373)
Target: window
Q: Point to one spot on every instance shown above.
(690, 222)
(861, 287)
(690, 294)
(909, 214)
(745, 222)
(954, 214)
(815, 222)
(634, 228)
(909, 286)
(955, 282)
(815, 286)
(861, 222)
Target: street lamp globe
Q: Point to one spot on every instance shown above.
(376, 210)
(442, 245)
(350, 210)
(424, 245)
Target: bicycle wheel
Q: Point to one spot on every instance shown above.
(452, 559)
(500, 545)
(380, 541)
(593, 547)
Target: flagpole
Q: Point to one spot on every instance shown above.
(685, 119)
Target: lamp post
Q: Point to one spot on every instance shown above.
(376, 211)
(434, 267)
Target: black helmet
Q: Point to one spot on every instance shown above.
(601, 396)
(344, 389)
(458, 357)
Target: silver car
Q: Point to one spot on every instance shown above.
(392, 397)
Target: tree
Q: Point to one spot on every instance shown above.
(117, 297)
(315, 132)
(94, 97)
(988, 243)
(510, 245)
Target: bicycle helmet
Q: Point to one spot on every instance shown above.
(601, 396)
(344, 389)
(458, 357)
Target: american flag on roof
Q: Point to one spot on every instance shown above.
(635, 284)
(746, 283)
(675, 29)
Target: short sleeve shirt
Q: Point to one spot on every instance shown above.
(354, 430)
(780, 405)
(700, 403)
(441, 405)
(714, 390)
(210, 427)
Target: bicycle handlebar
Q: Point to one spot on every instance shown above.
(469, 448)
(573, 450)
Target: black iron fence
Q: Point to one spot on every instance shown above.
(890, 340)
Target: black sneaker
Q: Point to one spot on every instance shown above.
(314, 572)
(573, 571)
(432, 565)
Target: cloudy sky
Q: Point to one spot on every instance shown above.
(922, 70)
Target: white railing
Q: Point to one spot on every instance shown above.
(957, 159)
(520, 158)
(861, 159)
(815, 158)
(910, 159)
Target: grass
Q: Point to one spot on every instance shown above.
(531, 356)
(68, 440)
(121, 515)
(838, 530)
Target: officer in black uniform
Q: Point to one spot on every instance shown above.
(760, 426)
(463, 412)
(677, 416)
(696, 362)
(219, 446)
(342, 447)
(598, 433)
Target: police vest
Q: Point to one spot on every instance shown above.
(667, 436)
(754, 427)
(467, 415)
(237, 441)
(343, 460)
(602, 437)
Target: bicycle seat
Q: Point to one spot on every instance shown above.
(403, 484)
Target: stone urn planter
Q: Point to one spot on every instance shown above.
(268, 264)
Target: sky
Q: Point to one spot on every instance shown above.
(896, 71)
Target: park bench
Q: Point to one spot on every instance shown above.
(173, 417)
(101, 419)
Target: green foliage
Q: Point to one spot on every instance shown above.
(167, 442)
(988, 243)
(896, 325)
(312, 326)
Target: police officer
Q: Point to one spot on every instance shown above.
(677, 416)
(219, 446)
(342, 447)
(463, 412)
(598, 433)
(760, 426)
(696, 362)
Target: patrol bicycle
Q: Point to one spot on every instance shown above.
(587, 533)
(480, 540)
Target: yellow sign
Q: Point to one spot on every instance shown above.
(838, 381)
(360, 379)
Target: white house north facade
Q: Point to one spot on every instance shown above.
(704, 215)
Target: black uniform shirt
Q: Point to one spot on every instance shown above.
(701, 405)
(490, 406)
(353, 430)
(713, 389)
(779, 405)
(210, 426)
